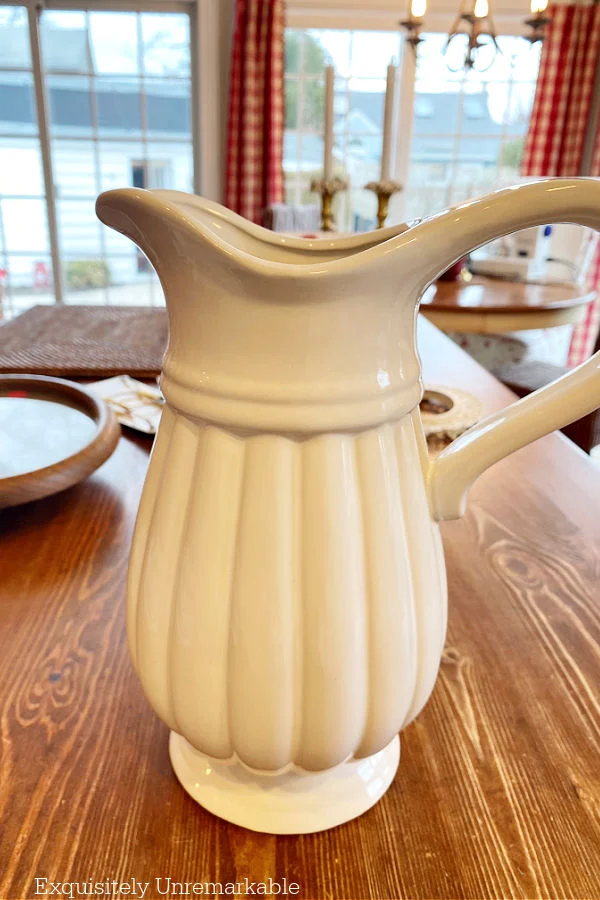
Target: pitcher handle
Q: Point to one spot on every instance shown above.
(448, 236)
(558, 404)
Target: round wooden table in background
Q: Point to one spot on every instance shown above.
(496, 305)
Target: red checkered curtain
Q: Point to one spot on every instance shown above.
(254, 177)
(557, 128)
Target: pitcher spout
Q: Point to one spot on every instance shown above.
(158, 215)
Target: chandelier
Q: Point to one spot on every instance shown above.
(474, 33)
(472, 42)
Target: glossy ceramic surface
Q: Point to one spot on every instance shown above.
(291, 802)
(287, 596)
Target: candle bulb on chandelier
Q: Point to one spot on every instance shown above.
(538, 22)
(482, 9)
(418, 8)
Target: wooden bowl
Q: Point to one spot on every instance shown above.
(51, 444)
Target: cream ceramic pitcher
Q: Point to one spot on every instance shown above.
(287, 592)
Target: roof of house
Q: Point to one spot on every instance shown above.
(118, 106)
(167, 111)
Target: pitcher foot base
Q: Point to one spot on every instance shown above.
(292, 803)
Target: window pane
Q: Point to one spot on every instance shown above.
(517, 59)
(312, 104)
(114, 43)
(432, 63)
(435, 112)
(293, 38)
(64, 41)
(168, 107)
(142, 293)
(114, 280)
(519, 107)
(24, 225)
(26, 281)
(117, 165)
(321, 47)
(291, 87)
(291, 150)
(311, 156)
(14, 38)
(372, 52)
(86, 279)
(119, 106)
(17, 103)
(166, 41)
(74, 171)
(476, 172)
(20, 167)
(484, 112)
(425, 195)
(70, 104)
(291, 188)
(79, 228)
(170, 165)
(117, 244)
(432, 152)
(367, 98)
(509, 162)
(524, 57)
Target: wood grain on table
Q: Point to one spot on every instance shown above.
(498, 790)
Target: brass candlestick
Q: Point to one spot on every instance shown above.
(327, 189)
(384, 190)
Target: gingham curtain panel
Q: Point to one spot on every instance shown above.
(555, 140)
(254, 177)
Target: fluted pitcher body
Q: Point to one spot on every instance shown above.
(287, 598)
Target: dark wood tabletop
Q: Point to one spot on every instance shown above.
(500, 293)
(488, 305)
(498, 790)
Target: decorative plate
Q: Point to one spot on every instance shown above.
(446, 413)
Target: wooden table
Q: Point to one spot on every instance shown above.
(495, 305)
(498, 791)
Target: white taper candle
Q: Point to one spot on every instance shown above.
(328, 141)
(388, 119)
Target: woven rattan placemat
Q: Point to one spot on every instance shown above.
(85, 341)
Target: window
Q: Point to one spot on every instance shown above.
(360, 59)
(468, 128)
(118, 90)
